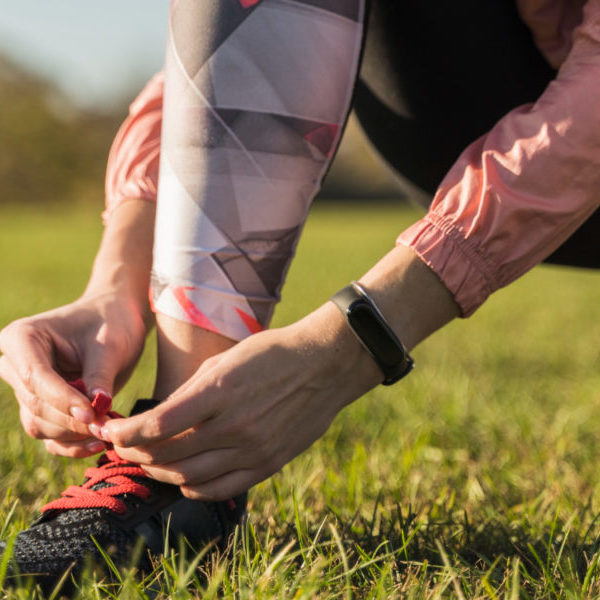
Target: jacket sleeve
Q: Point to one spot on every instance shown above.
(132, 170)
(518, 192)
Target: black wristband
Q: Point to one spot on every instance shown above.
(373, 332)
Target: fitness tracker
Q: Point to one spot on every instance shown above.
(373, 332)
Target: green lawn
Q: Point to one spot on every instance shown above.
(475, 477)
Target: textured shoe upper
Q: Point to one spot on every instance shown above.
(115, 506)
(52, 545)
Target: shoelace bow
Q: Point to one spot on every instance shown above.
(111, 469)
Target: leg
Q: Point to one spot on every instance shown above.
(182, 348)
(255, 100)
(436, 76)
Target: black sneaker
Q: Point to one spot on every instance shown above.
(116, 506)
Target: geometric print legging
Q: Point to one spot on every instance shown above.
(256, 96)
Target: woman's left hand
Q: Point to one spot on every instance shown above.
(251, 409)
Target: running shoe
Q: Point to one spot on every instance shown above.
(117, 508)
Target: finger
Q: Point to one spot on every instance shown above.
(8, 374)
(34, 426)
(194, 440)
(223, 488)
(49, 414)
(100, 368)
(23, 396)
(74, 449)
(187, 406)
(96, 427)
(197, 469)
(40, 429)
(30, 357)
(27, 400)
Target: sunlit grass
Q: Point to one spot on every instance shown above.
(475, 477)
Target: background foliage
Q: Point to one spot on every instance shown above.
(474, 478)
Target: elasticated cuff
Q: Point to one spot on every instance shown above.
(446, 251)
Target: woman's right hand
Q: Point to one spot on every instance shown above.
(97, 338)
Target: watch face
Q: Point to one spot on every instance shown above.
(376, 335)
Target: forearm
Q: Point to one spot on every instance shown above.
(410, 295)
(413, 301)
(124, 259)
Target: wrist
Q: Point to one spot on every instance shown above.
(341, 363)
(118, 283)
(411, 296)
(124, 260)
(414, 303)
(373, 332)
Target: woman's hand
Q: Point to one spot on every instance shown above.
(251, 409)
(248, 411)
(97, 339)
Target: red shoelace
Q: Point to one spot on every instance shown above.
(101, 403)
(111, 469)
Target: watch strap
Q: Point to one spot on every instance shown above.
(373, 332)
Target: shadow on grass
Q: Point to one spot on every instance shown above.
(558, 555)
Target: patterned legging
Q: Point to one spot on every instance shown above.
(256, 96)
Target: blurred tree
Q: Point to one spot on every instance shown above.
(52, 152)
(49, 151)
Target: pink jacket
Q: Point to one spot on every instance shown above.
(512, 197)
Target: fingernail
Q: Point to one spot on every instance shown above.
(104, 434)
(96, 430)
(96, 446)
(81, 414)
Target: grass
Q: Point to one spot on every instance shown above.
(476, 477)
